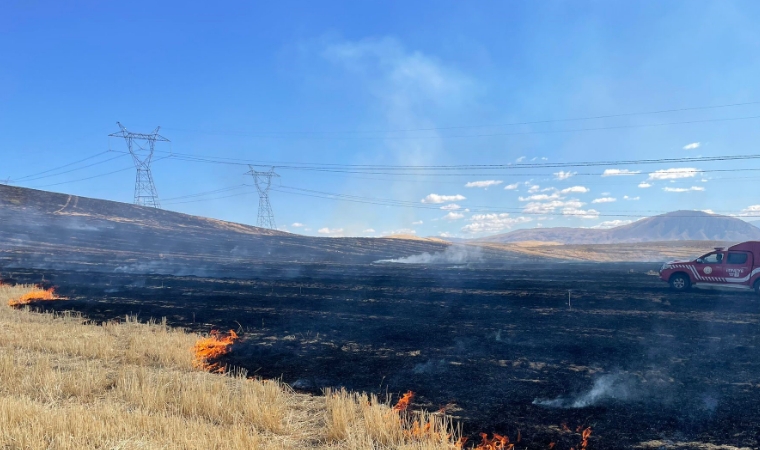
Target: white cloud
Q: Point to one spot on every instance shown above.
(562, 175)
(511, 187)
(450, 207)
(693, 188)
(520, 159)
(625, 197)
(435, 198)
(493, 223)
(542, 208)
(483, 184)
(673, 174)
(612, 223)
(540, 197)
(604, 200)
(583, 214)
(577, 189)
(369, 230)
(331, 231)
(534, 188)
(708, 211)
(551, 206)
(297, 225)
(619, 172)
(453, 216)
(644, 185)
(445, 234)
(399, 231)
(418, 222)
(753, 210)
(691, 146)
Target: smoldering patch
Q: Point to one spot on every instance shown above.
(455, 254)
(608, 387)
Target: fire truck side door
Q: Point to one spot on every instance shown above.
(738, 265)
(710, 266)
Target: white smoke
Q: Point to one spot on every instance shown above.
(606, 387)
(455, 254)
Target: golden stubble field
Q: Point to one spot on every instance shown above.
(71, 384)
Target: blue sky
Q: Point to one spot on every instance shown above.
(344, 82)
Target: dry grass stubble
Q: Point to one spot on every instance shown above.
(71, 384)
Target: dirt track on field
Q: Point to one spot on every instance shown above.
(498, 346)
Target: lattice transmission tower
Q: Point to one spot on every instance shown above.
(141, 147)
(263, 181)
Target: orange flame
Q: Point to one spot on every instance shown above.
(207, 350)
(498, 442)
(36, 294)
(418, 430)
(404, 401)
(585, 435)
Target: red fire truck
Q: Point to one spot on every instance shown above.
(738, 267)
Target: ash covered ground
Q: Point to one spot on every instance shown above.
(497, 345)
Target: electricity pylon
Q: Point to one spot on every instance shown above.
(263, 181)
(145, 189)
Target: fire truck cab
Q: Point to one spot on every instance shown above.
(736, 267)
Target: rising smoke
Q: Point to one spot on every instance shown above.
(455, 254)
(606, 387)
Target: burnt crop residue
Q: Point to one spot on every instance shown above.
(498, 347)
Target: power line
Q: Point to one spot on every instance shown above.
(94, 176)
(72, 170)
(60, 167)
(534, 122)
(399, 169)
(85, 179)
(485, 209)
(202, 194)
(209, 199)
(515, 133)
(414, 204)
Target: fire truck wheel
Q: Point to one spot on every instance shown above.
(680, 282)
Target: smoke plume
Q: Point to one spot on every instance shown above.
(606, 387)
(456, 254)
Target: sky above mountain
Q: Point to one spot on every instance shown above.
(387, 84)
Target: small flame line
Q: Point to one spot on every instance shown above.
(209, 349)
(36, 294)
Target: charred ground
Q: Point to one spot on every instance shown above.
(497, 344)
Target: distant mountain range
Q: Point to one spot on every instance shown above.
(673, 226)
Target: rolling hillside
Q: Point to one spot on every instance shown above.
(40, 229)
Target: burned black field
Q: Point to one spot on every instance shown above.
(498, 347)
